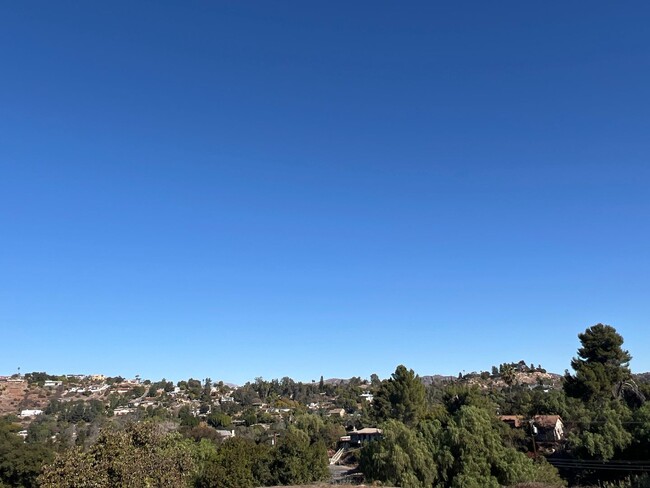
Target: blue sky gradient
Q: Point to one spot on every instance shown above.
(242, 189)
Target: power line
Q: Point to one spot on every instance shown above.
(614, 465)
(600, 461)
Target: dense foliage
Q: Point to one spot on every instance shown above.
(456, 448)
(20, 463)
(436, 432)
(139, 456)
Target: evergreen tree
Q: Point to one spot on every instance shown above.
(602, 365)
(296, 461)
(402, 397)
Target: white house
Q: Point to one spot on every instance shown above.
(367, 397)
(226, 433)
(123, 411)
(30, 413)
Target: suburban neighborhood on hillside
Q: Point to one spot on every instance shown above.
(551, 427)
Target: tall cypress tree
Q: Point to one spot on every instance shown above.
(402, 397)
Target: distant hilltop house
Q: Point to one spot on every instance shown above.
(548, 428)
(52, 383)
(123, 388)
(123, 411)
(76, 376)
(30, 413)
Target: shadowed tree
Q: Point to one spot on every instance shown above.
(20, 463)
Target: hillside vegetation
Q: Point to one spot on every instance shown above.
(514, 425)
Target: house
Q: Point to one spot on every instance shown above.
(514, 421)
(52, 383)
(226, 434)
(30, 413)
(358, 437)
(123, 411)
(336, 412)
(548, 428)
(367, 397)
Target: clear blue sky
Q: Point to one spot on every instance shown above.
(241, 189)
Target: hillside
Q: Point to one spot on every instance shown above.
(12, 396)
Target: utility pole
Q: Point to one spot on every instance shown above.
(532, 434)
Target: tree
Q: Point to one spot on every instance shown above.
(402, 397)
(296, 461)
(138, 457)
(229, 466)
(312, 425)
(602, 366)
(186, 417)
(463, 450)
(400, 458)
(219, 420)
(20, 463)
(601, 434)
(508, 374)
(471, 454)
